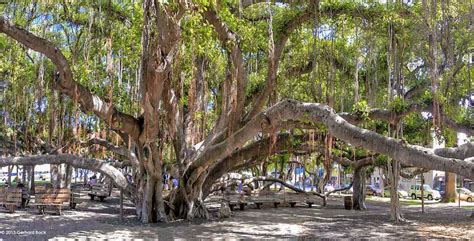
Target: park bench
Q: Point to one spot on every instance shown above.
(234, 199)
(10, 198)
(267, 197)
(99, 190)
(77, 197)
(54, 198)
(293, 198)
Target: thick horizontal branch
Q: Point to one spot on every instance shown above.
(407, 154)
(355, 164)
(76, 161)
(413, 173)
(464, 151)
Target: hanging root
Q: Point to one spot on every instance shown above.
(200, 210)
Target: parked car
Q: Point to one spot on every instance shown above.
(428, 192)
(470, 186)
(401, 193)
(371, 190)
(465, 194)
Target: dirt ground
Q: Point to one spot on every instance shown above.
(100, 220)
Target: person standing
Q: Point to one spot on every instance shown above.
(175, 182)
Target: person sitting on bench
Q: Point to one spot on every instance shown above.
(92, 180)
(25, 196)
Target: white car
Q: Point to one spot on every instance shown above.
(465, 194)
(428, 192)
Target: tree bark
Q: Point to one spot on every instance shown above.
(358, 187)
(450, 188)
(394, 175)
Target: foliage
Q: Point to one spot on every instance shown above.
(318, 64)
(398, 105)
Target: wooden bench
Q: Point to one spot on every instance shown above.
(3, 195)
(234, 199)
(99, 190)
(293, 198)
(78, 195)
(267, 197)
(10, 198)
(75, 199)
(49, 197)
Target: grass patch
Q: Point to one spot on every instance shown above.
(411, 202)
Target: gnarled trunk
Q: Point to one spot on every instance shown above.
(149, 202)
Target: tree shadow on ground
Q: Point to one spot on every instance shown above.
(102, 220)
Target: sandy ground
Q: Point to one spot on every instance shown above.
(102, 221)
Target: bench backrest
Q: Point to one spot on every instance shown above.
(231, 197)
(50, 195)
(13, 195)
(3, 194)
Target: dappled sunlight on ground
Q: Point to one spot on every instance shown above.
(100, 220)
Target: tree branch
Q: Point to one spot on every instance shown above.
(464, 151)
(274, 61)
(80, 162)
(118, 121)
(111, 147)
(413, 173)
(294, 110)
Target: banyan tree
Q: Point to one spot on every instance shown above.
(220, 86)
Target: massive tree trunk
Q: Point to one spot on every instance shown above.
(31, 184)
(450, 188)
(358, 187)
(149, 187)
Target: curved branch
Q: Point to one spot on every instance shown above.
(111, 147)
(76, 161)
(340, 189)
(256, 152)
(406, 153)
(295, 110)
(118, 121)
(282, 182)
(232, 41)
